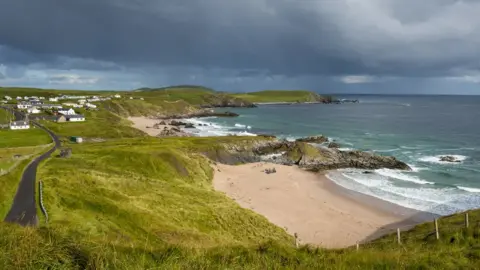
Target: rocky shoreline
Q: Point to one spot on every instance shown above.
(307, 156)
(198, 114)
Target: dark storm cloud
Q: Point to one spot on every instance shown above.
(251, 37)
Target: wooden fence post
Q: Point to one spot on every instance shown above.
(466, 220)
(296, 239)
(437, 235)
(398, 236)
(358, 246)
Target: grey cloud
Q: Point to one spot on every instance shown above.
(2, 76)
(253, 38)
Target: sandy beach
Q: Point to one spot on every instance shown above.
(307, 204)
(146, 124)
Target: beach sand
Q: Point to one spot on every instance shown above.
(146, 124)
(309, 204)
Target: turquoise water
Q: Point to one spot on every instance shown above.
(415, 129)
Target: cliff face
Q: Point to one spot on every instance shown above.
(223, 101)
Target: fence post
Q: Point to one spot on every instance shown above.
(437, 235)
(466, 220)
(358, 246)
(296, 239)
(398, 236)
(42, 207)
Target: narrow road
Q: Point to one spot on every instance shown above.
(24, 207)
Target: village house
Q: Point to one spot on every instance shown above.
(41, 98)
(67, 112)
(19, 98)
(60, 119)
(81, 101)
(33, 110)
(90, 105)
(19, 125)
(24, 105)
(75, 118)
(53, 99)
(50, 106)
(117, 96)
(8, 98)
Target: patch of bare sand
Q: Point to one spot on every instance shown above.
(146, 125)
(302, 203)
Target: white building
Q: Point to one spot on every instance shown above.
(19, 125)
(25, 97)
(24, 105)
(8, 98)
(76, 118)
(67, 112)
(53, 99)
(70, 104)
(41, 98)
(117, 96)
(81, 101)
(33, 110)
(90, 105)
(19, 98)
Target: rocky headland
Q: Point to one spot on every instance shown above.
(306, 155)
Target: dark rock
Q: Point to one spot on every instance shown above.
(314, 139)
(451, 159)
(367, 172)
(177, 123)
(267, 136)
(333, 145)
(189, 125)
(162, 123)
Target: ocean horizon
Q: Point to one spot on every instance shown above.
(417, 129)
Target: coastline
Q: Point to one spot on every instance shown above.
(311, 205)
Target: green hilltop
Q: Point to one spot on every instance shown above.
(131, 201)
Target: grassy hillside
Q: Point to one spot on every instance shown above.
(98, 124)
(281, 96)
(148, 203)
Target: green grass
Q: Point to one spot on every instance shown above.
(5, 116)
(21, 138)
(279, 96)
(98, 124)
(148, 203)
(7, 159)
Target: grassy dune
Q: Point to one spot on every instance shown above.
(149, 204)
(98, 124)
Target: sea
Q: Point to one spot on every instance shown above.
(416, 129)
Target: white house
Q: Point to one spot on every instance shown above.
(90, 105)
(53, 99)
(67, 112)
(76, 118)
(26, 97)
(74, 105)
(81, 101)
(117, 96)
(33, 110)
(8, 98)
(19, 125)
(41, 98)
(24, 105)
(19, 98)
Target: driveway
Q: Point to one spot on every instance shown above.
(24, 207)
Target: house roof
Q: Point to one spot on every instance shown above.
(76, 116)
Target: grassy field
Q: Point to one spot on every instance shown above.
(5, 116)
(21, 138)
(98, 124)
(279, 96)
(8, 159)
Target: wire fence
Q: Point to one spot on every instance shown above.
(450, 229)
(40, 195)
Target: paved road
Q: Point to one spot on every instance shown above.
(24, 207)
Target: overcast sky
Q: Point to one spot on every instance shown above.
(356, 46)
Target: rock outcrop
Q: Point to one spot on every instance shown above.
(309, 157)
(314, 139)
(451, 159)
(333, 145)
